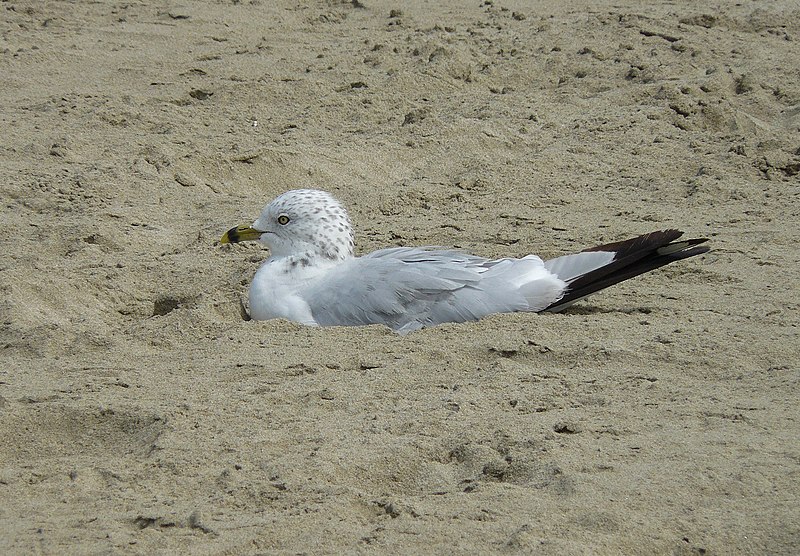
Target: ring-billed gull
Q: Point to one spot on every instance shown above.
(313, 277)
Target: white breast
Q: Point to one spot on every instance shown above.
(274, 292)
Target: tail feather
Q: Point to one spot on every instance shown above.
(630, 258)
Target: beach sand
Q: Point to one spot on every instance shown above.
(141, 414)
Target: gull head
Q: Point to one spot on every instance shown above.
(300, 222)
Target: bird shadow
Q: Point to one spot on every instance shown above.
(595, 310)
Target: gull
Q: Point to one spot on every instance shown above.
(313, 277)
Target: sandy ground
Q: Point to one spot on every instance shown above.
(139, 413)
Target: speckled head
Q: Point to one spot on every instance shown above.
(306, 221)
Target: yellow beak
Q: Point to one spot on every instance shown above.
(240, 233)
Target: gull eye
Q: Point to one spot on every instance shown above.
(283, 220)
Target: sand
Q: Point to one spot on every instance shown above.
(141, 414)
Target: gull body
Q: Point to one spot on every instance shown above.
(313, 277)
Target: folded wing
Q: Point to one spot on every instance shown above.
(408, 288)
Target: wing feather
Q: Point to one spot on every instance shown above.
(408, 288)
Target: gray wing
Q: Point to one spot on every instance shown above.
(408, 288)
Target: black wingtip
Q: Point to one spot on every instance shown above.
(640, 243)
(632, 257)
